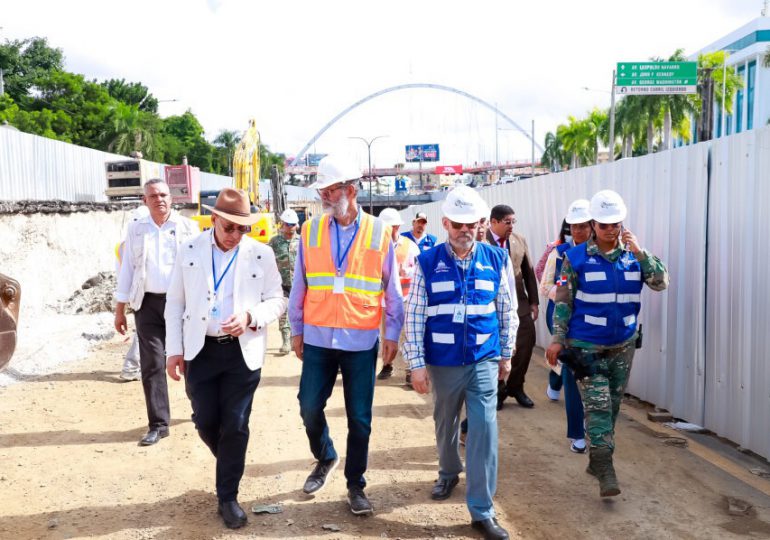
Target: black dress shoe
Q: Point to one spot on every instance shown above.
(491, 529)
(522, 399)
(153, 436)
(317, 479)
(232, 514)
(443, 487)
(385, 372)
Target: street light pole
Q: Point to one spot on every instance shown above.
(369, 153)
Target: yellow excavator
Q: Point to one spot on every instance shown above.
(245, 177)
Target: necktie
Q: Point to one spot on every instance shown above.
(502, 243)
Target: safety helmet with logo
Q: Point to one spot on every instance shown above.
(333, 170)
(608, 207)
(464, 205)
(578, 212)
(289, 217)
(390, 216)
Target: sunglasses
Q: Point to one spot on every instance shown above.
(331, 189)
(458, 226)
(230, 228)
(604, 226)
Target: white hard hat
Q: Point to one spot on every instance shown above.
(391, 217)
(289, 217)
(578, 212)
(464, 205)
(335, 169)
(608, 207)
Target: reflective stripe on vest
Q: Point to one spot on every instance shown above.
(359, 307)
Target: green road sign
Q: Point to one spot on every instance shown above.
(656, 78)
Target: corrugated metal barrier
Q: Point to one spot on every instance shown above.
(699, 209)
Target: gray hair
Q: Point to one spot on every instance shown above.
(153, 181)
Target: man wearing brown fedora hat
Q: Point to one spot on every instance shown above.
(225, 290)
(149, 250)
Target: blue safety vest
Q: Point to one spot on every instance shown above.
(608, 297)
(560, 250)
(462, 325)
(427, 242)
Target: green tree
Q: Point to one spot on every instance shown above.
(722, 76)
(25, 62)
(554, 157)
(766, 57)
(224, 148)
(578, 140)
(132, 94)
(268, 159)
(126, 132)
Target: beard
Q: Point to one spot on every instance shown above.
(338, 209)
(464, 242)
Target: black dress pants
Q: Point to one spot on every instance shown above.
(221, 388)
(151, 332)
(525, 344)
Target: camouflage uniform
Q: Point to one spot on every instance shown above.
(285, 256)
(603, 392)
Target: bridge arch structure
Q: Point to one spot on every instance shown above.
(410, 86)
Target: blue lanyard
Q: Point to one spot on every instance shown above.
(218, 282)
(465, 274)
(341, 259)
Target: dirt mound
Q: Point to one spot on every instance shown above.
(94, 296)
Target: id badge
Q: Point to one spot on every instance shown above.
(216, 310)
(459, 314)
(339, 285)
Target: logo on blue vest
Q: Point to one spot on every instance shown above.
(592, 260)
(626, 260)
(441, 267)
(481, 267)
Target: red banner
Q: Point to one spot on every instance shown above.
(449, 169)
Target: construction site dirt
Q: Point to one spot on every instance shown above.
(70, 467)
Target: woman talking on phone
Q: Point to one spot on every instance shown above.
(598, 299)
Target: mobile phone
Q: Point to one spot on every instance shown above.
(624, 244)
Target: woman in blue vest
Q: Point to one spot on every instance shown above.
(579, 222)
(598, 297)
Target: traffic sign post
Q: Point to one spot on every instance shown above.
(648, 78)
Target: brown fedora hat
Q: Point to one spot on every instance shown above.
(233, 205)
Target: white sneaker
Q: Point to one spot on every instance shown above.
(578, 446)
(552, 394)
(131, 376)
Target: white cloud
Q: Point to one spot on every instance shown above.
(293, 65)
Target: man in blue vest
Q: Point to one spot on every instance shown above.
(460, 320)
(418, 235)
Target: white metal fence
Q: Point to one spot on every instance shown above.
(37, 168)
(698, 208)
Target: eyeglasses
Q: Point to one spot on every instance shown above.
(230, 228)
(604, 226)
(507, 222)
(458, 226)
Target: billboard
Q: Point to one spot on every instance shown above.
(421, 152)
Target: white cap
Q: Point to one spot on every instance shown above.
(390, 216)
(289, 217)
(333, 170)
(578, 212)
(464, 205)
(608, 207)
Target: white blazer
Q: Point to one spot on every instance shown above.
(256, 289)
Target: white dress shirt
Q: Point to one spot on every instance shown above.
(224, 295)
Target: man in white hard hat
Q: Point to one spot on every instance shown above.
(345, 276)
(598, 299)
(459, 320)
(285, 245)
(150, 248)
(406, 255)
(225, 290)
(418, 235)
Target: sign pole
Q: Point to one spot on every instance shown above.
(612, 119)
(533, 148)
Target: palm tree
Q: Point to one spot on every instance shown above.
(721, 75)
(676, 110)
(554, 157)
(630, 123)
(226, 143)
(766, 57)
(578, 139)
(600, 125)
(125, 131)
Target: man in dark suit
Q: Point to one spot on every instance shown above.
(500, 233)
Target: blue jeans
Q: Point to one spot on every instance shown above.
(319, 372)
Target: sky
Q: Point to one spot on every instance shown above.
(293, 65)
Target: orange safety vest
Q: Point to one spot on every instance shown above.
(360, 306)
(402, 251)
